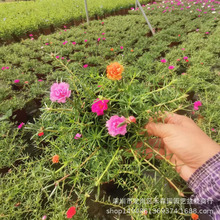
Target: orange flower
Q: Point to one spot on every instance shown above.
(114, 71)
(112, 49)
(194, 216)
(55, 159)
(132, 50)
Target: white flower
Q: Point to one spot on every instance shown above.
(213, 12)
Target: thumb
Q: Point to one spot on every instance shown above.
(160, 129)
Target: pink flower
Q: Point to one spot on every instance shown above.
(71, 212)
(85, 66)
(213, 129)
(85, 40)
(113, 125)
(183, 49)
(59, 92)
(74, 43)
(102, 23)
(197, 104)
(132, 119)
(99, 39)
(7, 68)
(16, 81)
(207, 32)
(57, 57)
(103, 33)
(122, 47)
(31, 35)
(103, 38)
(197, 29)
(183, 73)
(64, 26)
(44, 217)
(178, 59)
(65, 30)
(99, 86)
(62, 58)
(40, 80)
(185, 58)
(99, 106)
(46, 43)
(171, 67)
(20, 126)
(77, 136)
(32, 38)
(163, 61)
(3, 68)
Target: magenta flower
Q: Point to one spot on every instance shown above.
(171, 67)
(197, 104)
(21, 125)
(77, 136)
(3, 68)
(7, 68)
(59, 92)
(40, 80)
(99, 39)
(99, 106)
(62, 58)
(103, 38)
(103, 33)
(74, 43)
(16, 81)
(185, 58)
(207, 32)
(99, 86)
(122, 47)
(31, 35)
(85, 66)
(163, 61)
(46, 43)
(113, 125)
(85, 40)
(57, 57)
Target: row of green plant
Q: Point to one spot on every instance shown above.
(17, 18)
(34, 186)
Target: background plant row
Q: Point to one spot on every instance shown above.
(17, 18)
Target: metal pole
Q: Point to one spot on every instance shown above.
(139, 5)
(135, 4)
(87, 13)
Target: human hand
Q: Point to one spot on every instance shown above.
(182, 142)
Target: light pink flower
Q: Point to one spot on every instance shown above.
(183, 49)
(113, 125)
(20, 126)
(99, 106)
(59, 92)
(171, 67)
(122, 47)
(197, 104)
(185, 58)
(32, 38)
(132, 119)
(197, 29)
(74, 43)
(44, 217)
(16, 81)
(85, 66)
(102, 23)
(103, 38)
(163, 61)
(62, 58)
(64, 26)
(178, 59)
(77, 136)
